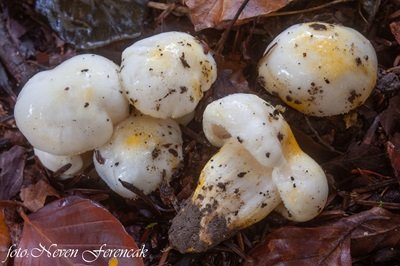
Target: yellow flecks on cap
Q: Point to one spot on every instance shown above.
(197, 92)
(334, 56)
(136, 139)
(88, 94)
(113, 262)
(156, 53)
(330, 55)
(301, 107)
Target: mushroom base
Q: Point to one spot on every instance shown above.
(186, 228)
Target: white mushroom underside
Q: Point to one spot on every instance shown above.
(56, 162)
(250, 122)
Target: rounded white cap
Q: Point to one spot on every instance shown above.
(319, 69)
(142, 151)
(72, 108)
(165, 75)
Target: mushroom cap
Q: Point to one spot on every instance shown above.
(71, 109)
(55, 162)
(319, 69)
(251, 121)
(143, 151)
(303, 188)
(165, 75)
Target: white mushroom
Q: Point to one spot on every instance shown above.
(142, 151)
(259, 167)
(320, 69)
(72, 108)
(165, 75)
(56, 162)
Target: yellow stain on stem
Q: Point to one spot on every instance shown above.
(290, 145)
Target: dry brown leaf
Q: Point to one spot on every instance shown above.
(394, 156)
(34, 196)
(12, 164)
(217, 13)
(390, 118)
(73, 224)
(5, 239)
(330, 244)
(395, 29)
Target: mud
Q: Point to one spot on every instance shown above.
(184, 233)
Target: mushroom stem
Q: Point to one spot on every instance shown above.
(234, 191)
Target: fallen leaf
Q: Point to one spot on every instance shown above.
(229, 82)
(370, 9)
(79, 225)
(379, 230)
(14, 137)
(394, 156)
(90, 24)
(12, 163)
(388, 82)
(330, 244)
(324, 246)
(390, 118)
(34, 196)
(5, 239)
(218, 13)
(395, 29)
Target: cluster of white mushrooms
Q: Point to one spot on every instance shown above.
(82, 106)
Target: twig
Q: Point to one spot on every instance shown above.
(224, 37)
(165, 13)
(232, 248)
(369, 172)
(381, 204)
(181, 10)
(371, 131)
(11, 203)
(189, 132)
(319, 138)
(61, 170)
(11, 57)
(395, 69)
(311, 9)
(164, 256)
(5, 84)
(140, 194)
(375, 186)
(6, 118)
